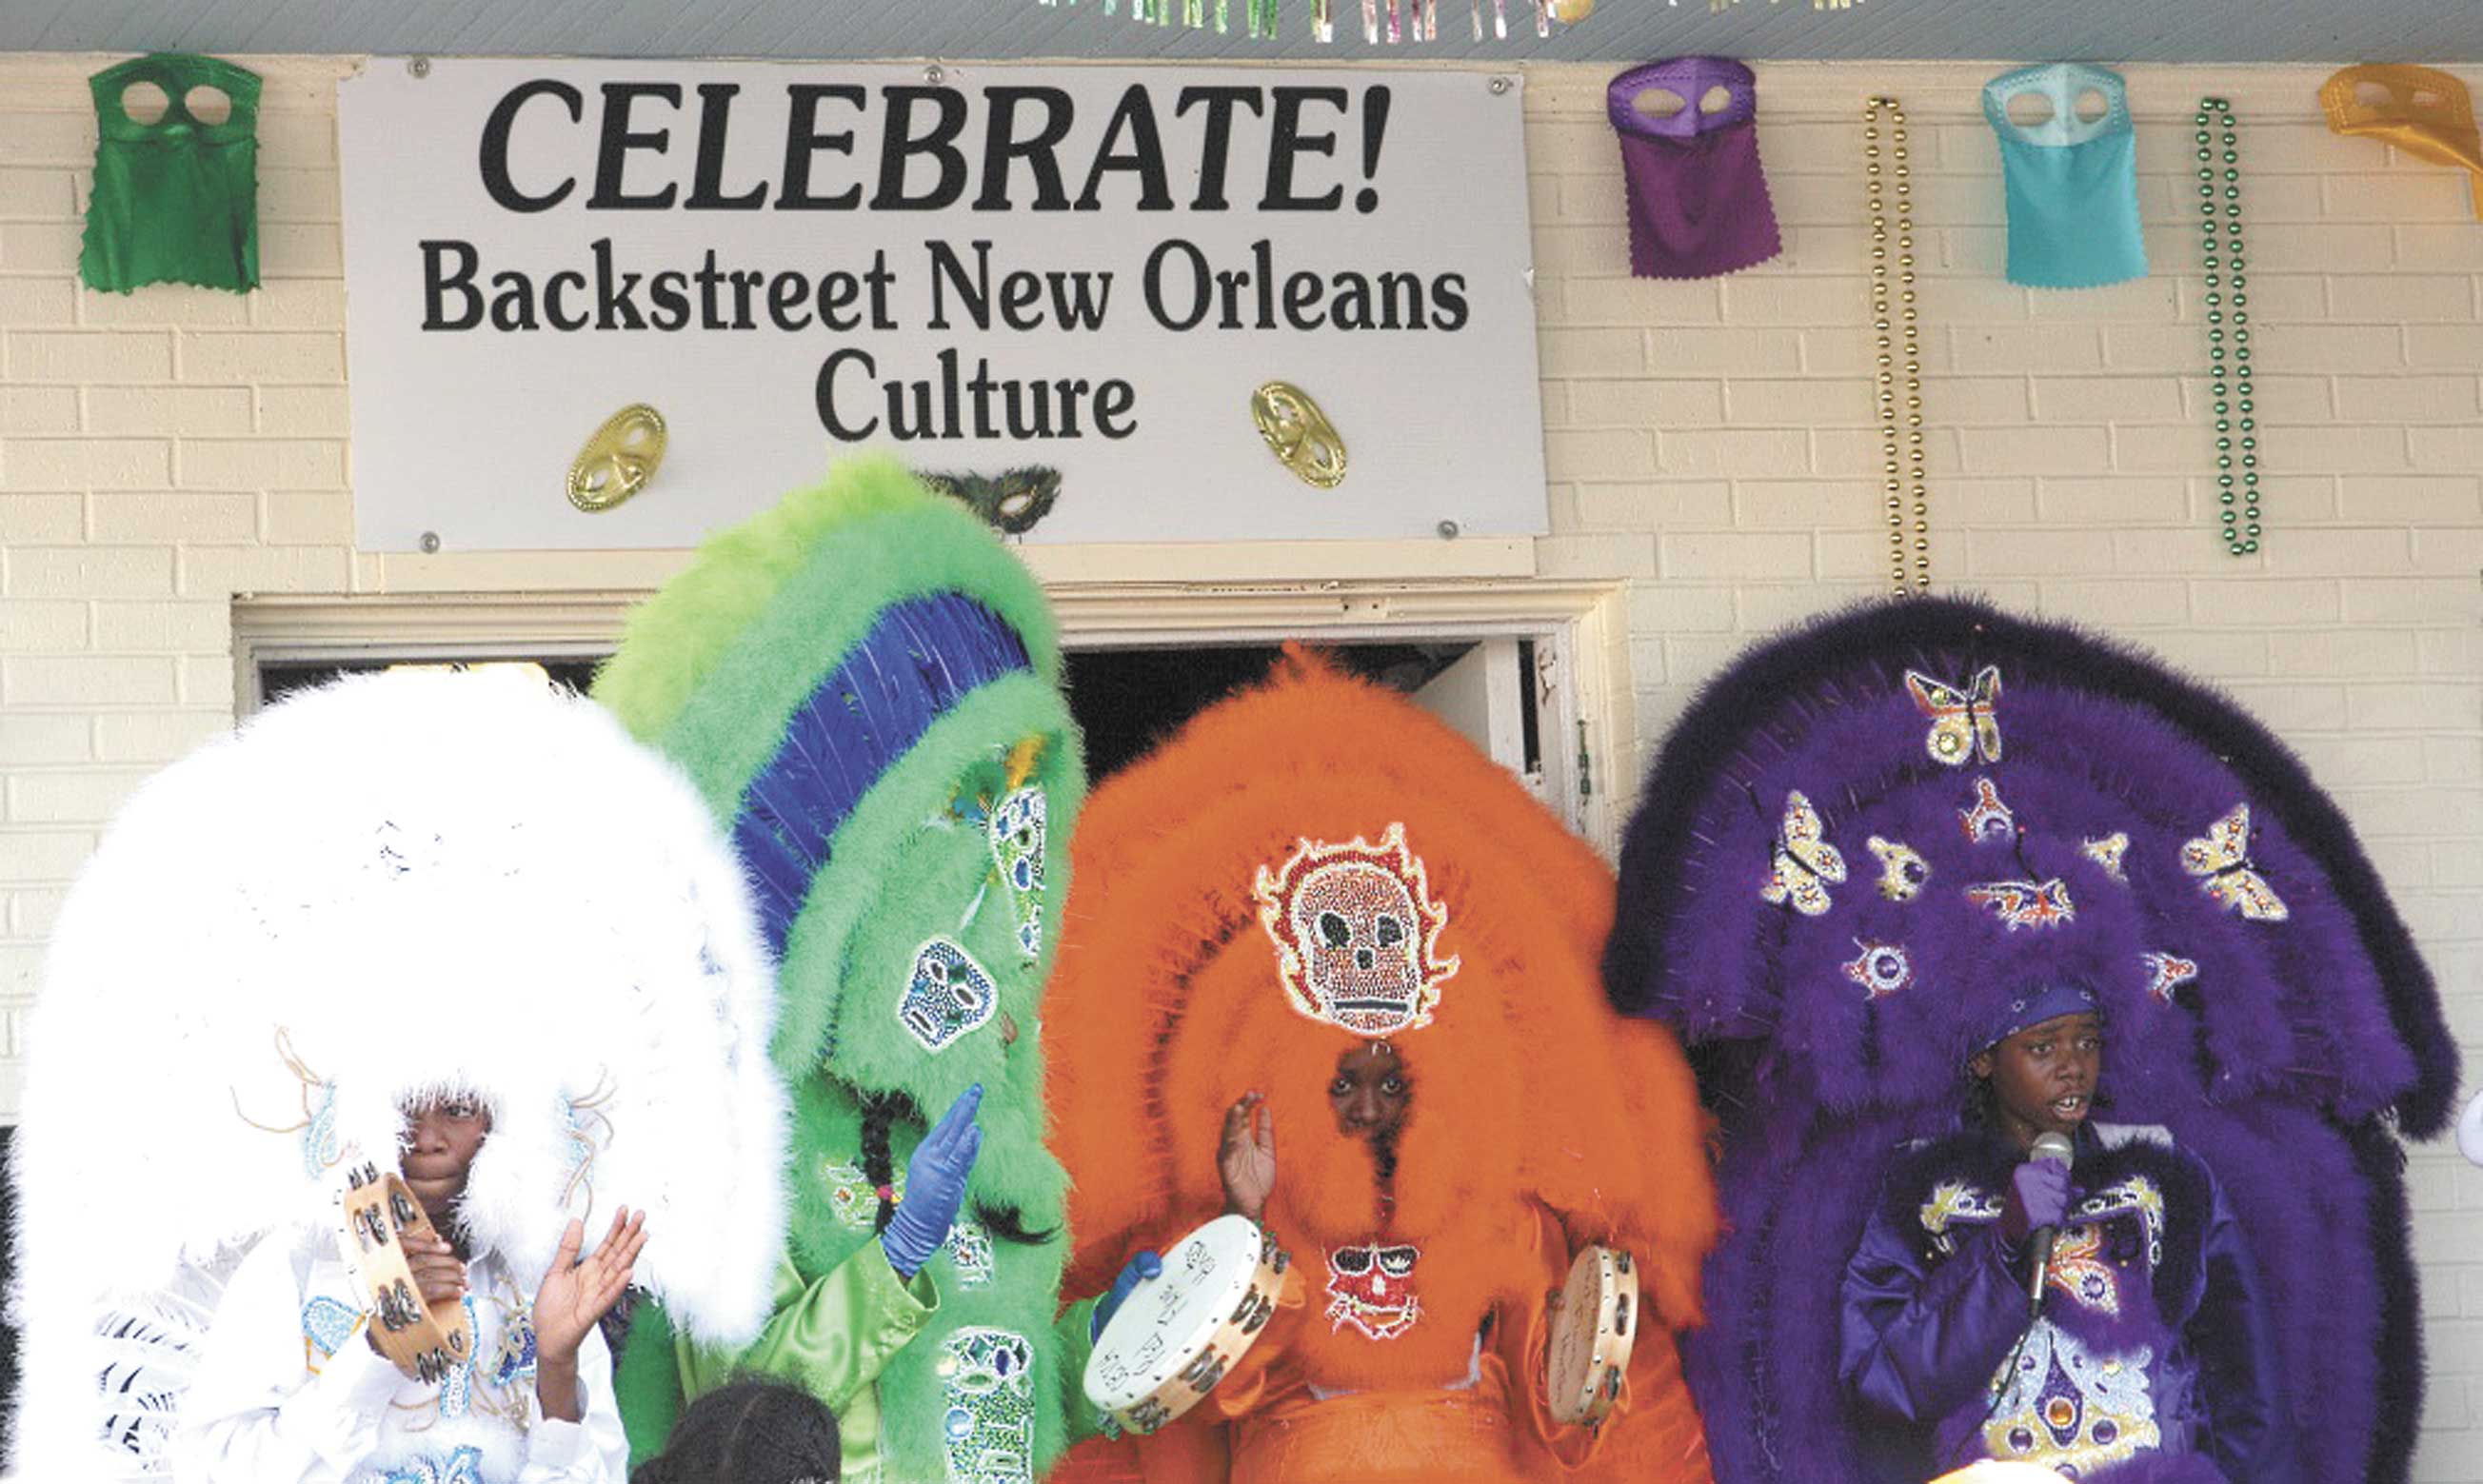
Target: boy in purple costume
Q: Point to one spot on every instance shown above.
(2148, 1357)
(1860, 837)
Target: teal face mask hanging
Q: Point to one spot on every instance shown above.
(176, 199)
(2071, 176)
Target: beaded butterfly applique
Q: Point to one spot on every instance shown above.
(2222, 859)
(1805, 860)
(1963, 722)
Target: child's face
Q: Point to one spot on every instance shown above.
(1369, 1091)
(441, 1142)
(2043, 1077)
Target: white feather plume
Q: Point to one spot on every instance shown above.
(393, 885)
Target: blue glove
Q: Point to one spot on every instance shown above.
(935, 1187)
(1145, 1264)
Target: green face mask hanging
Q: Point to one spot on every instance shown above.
(176, 201)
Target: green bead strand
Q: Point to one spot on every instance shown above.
(2221, 255)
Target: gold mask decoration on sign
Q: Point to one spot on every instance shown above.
(1300, 433)
(2425, 113)
(619, 460)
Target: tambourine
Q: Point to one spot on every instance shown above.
(1594, 1320)
(1177, 1333)
(425, 1341)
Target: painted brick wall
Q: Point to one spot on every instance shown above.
(1711, 445)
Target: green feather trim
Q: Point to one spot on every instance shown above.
(713, 665)
(673, 640)
(901, 868)
(646, 1382)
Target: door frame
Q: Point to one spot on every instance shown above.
(1582, 692)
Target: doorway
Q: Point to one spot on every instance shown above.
(1128, 697)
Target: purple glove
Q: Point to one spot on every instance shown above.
(1145, 1264)
(935, 1187)
(2039, 1196)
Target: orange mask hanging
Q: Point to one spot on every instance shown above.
(2421, 111)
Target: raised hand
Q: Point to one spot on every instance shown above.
(575, 1293)
(935, 1187)
(1248, 1157)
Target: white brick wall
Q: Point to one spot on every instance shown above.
(1710, 444)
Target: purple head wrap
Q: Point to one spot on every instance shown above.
(1697, 198)
(2038, 1004)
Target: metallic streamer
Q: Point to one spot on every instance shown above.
(1901, 474)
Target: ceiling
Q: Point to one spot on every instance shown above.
(2128, 31)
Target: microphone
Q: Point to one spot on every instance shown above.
(2055, 1147)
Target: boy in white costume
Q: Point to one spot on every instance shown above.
(454, 925)
(293, 1389)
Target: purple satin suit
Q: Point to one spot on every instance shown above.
(2149, 1361)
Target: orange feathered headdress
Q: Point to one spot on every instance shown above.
(1302, 867)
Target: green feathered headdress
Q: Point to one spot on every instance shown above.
(866, 685)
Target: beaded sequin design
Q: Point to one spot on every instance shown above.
(987, 1429)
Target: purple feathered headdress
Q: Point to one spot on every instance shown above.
(1869, 840)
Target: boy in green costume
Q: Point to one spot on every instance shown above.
(865, 687)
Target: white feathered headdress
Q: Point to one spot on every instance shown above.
(393, 886)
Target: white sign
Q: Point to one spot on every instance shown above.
(978, 268)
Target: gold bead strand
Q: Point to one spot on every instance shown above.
(1896, 324)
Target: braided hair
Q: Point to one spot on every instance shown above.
(880, 1112)
(749, 1431)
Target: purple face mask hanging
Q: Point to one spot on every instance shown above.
(1697, 198)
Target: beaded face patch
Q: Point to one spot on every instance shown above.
(1987, 818)
(2025, 903)
(1356, 932)
(1804, 862)
(1881, 970)
(1903, 870)
(1016, 829)
(948, 995)
(2167, 972)
(1964, 721)
(2222, 859)
(987, 1429)
(1371, 1288)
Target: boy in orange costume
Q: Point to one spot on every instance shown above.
(1317, 908)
